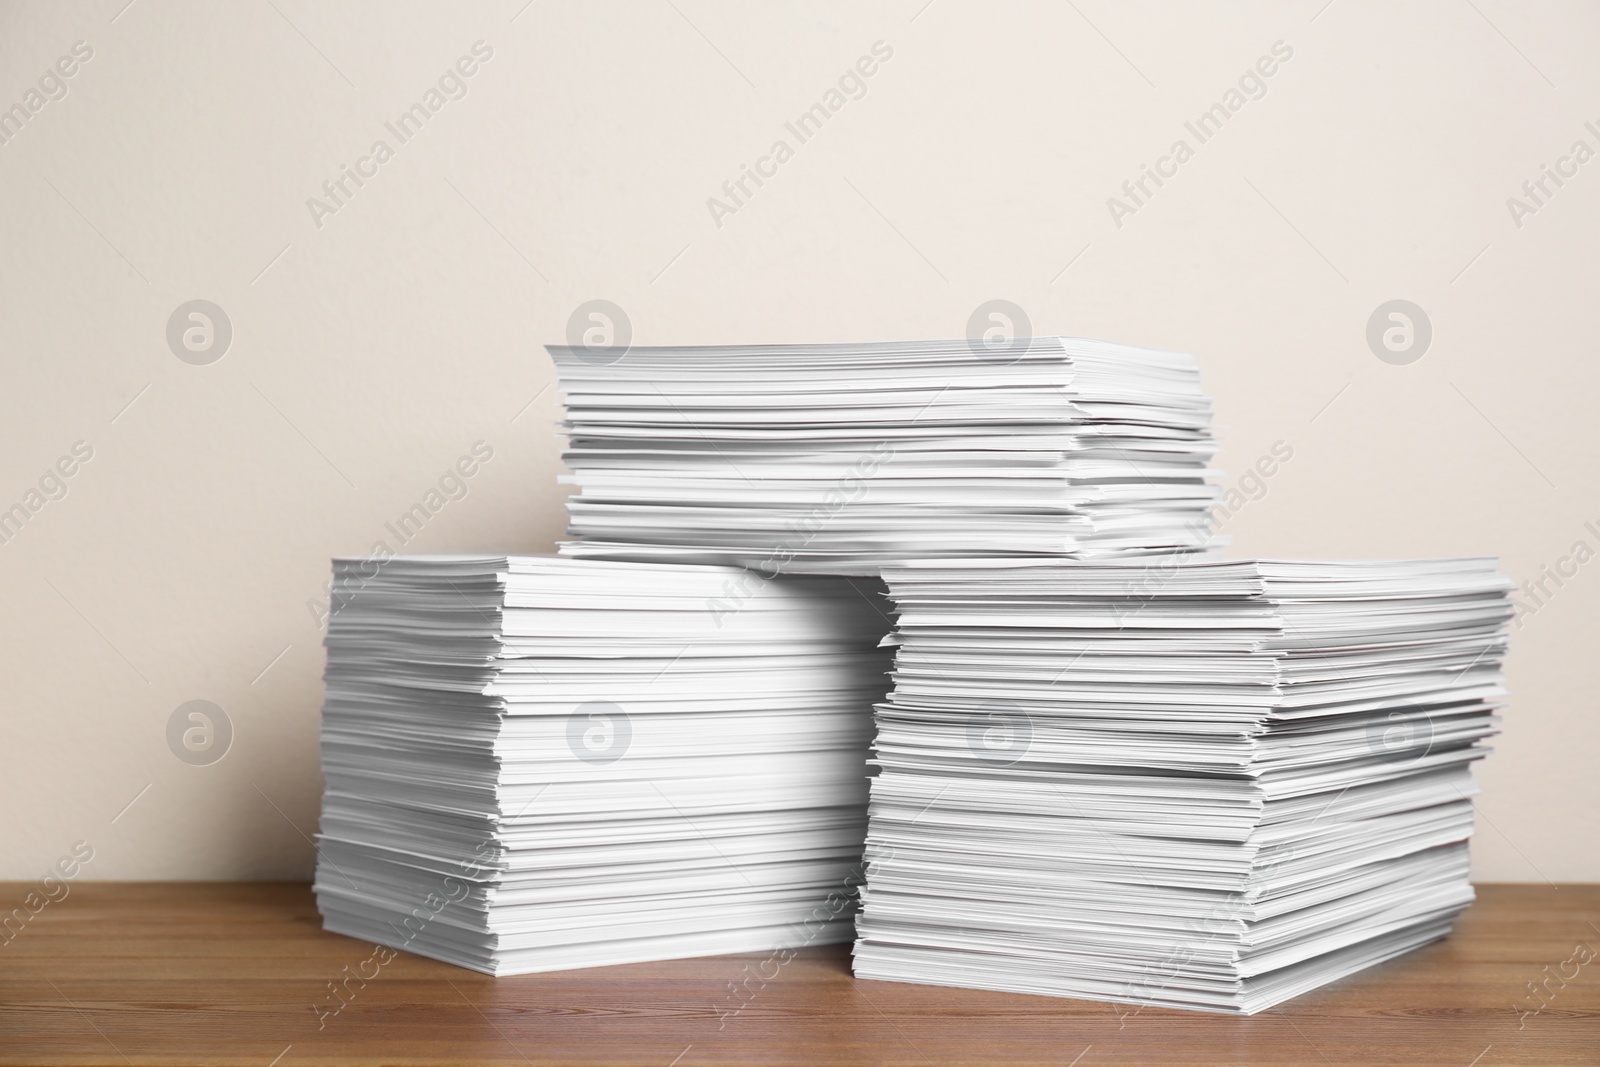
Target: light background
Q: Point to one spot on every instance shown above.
(372, 351)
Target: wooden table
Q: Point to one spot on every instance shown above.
(219, 973)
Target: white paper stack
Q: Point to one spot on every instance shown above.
(841, 458)
(1209, 785)
(541, 763)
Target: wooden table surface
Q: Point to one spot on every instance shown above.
(219, 973)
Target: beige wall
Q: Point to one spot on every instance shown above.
(371, 351)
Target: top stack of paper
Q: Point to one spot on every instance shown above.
(841, 458)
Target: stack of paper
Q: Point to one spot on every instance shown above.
(539, 763)
(840, 458)
(1198, 784)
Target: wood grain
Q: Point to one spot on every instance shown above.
(218, 973)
